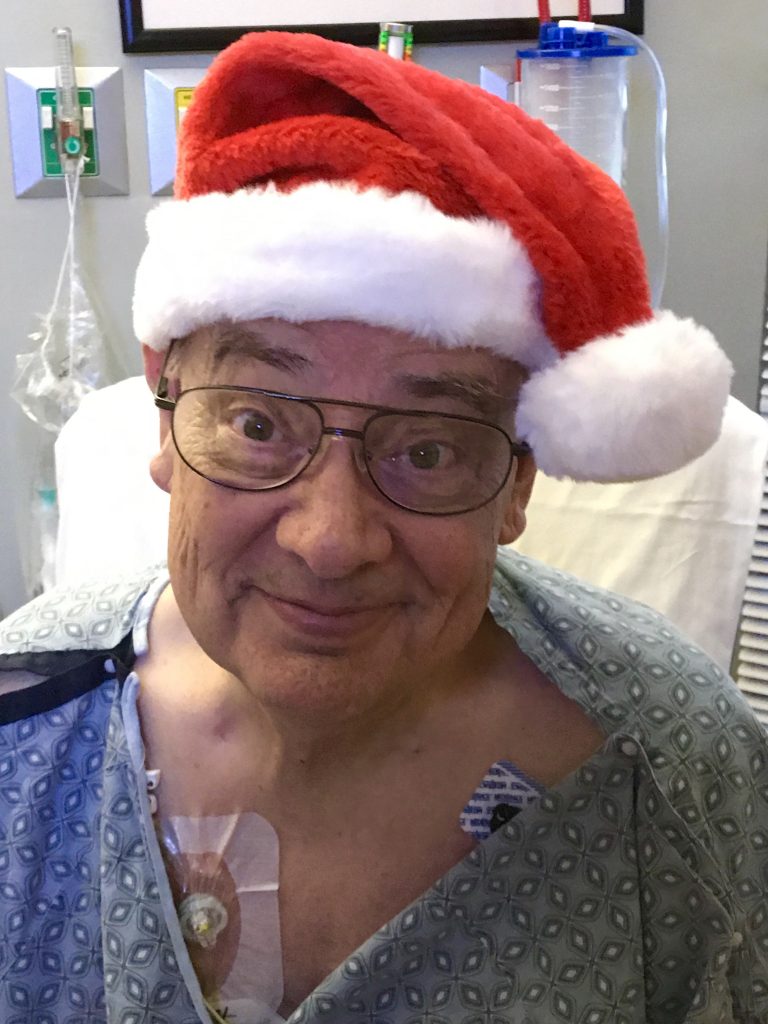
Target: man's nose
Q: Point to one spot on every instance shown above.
(334, 520)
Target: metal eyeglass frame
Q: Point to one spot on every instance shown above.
(517, 449)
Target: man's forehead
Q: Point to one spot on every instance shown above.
(416, 367)
(256, 341)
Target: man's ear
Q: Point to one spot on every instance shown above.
(513, 523)
(153, 365)
(161, 466)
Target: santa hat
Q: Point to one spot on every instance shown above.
(318, 180)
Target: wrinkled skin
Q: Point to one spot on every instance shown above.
(322, 598)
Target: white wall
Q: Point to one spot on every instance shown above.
(718, 154)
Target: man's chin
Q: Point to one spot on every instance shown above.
(306, 673)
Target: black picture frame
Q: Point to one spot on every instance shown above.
(138, 39)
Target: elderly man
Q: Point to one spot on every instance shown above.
(342, 762)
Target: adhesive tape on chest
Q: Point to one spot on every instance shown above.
(224, 871)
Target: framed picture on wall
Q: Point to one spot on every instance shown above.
(153, 26)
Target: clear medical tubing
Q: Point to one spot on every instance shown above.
(659, 277)
(68, 358)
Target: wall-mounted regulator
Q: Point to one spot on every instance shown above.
(62, 113)
(168, 92)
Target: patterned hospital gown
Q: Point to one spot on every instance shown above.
(634, 892)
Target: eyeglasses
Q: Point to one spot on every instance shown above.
(254, 440)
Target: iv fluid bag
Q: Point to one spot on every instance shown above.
(69, 358)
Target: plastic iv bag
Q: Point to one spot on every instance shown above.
(67, 362)
(69, 359)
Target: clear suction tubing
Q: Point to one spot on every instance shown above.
(576, 82)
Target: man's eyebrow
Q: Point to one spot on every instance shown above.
(478, 393)
(251, 344)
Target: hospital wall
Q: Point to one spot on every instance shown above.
(717, 75)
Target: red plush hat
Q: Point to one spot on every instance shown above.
(320, 181)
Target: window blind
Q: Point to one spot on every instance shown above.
(752, 657)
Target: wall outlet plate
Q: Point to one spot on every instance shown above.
(29, 114)
(167, 93)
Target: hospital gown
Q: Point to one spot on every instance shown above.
(633, 892)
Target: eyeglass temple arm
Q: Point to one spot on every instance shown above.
(162, 401)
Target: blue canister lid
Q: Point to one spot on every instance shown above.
(556, 42)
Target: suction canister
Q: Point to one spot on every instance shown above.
(576, 82)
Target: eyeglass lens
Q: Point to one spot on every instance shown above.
(250, 441)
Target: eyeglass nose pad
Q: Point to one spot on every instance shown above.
(343, 434)
(362, 457)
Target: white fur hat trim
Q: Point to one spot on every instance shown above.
(331, 252)
(629, 406)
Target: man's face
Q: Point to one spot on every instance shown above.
(322, 596)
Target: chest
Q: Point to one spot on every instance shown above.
(349, 893)
(298, 904)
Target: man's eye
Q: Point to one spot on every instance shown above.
(254, 425)
(426, 455)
